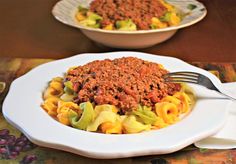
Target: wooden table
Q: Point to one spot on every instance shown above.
(11, 68)
(28, 29)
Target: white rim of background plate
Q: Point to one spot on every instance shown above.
(21, 108)
(64, 11)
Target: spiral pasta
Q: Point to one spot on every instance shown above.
(58, 103)
(50, 105)
(63, 111)
(55, 88)
(54, 105)
(167, 111)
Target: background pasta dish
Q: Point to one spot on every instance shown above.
(128, 15)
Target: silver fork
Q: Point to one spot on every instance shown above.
(195, 78)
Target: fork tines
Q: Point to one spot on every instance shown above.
(179, 77)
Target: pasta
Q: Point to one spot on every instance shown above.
(60, 103)
(63, 111)
(167, 111)
(50, 105)
(55, 88)
(128, 15)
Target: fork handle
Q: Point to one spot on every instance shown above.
(222, 93)
(228, 96)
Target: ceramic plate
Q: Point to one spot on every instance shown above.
(22, 109)
(65, 10)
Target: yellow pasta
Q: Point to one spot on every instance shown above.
(56, 83)
(171, 99)
(63, 111)
(109, 27)
(104, 116)
(168, 6)
(50, 105)
(63, 118)
(79, 16)
(159, 123)
(167, 111)
(65, 106)
(55, 88)
(158, 23)
(174, 19)
(105, 107)
(189, 92)
(185, 101)
(111, 128)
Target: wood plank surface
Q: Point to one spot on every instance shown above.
(29, 30)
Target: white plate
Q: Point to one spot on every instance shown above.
(65, 10)
(22, 109)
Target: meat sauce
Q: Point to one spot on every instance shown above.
(139, 11)
(124, 82)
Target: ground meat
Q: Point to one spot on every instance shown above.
(139, 11)
(124, 82)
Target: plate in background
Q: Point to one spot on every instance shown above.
(64, 11)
